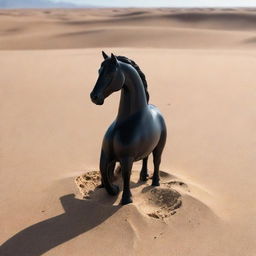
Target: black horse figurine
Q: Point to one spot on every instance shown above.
(138, 129)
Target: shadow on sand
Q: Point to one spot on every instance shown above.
(79, 217)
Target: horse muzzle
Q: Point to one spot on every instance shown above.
(97, 99)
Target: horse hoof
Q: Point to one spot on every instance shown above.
(126, 200)
(115, 190)
(155, 183)
(143, 178)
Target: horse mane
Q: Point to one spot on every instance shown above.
(141, 74)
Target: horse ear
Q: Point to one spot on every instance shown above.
(114, 59)
(105, 56)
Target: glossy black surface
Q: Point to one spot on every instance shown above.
(138, 130)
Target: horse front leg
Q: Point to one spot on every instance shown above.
(106, 169)
(126, 167)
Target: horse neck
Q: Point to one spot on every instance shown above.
(133, 97)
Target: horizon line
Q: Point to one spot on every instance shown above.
(125, 7)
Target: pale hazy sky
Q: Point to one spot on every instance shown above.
(164, 3)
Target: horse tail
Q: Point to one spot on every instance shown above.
(106, 170)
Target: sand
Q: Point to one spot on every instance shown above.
(200, 67)
(158, 28)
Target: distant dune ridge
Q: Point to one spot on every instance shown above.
(170, 28)
(200, 69)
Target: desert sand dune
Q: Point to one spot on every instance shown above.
(55, 29)
(200, 73)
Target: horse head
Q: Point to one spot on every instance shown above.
(111, 79)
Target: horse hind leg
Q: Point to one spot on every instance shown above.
(144, 170)
(157, 154)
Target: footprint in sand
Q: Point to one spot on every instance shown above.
(87, 183)
(164, 202)
(156, 202)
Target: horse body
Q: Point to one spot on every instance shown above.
(138, 130)
(126, 138)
